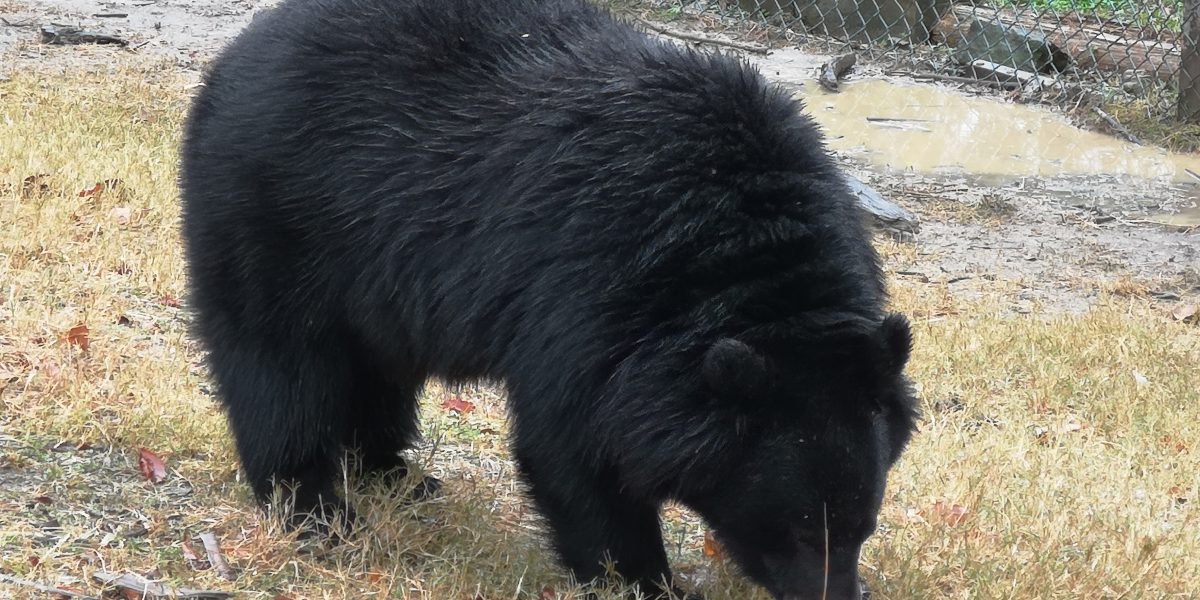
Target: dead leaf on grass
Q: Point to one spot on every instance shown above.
(151, 466)
(213, 548)
(712, 547)
(457, 404)
(78, 336)
(121, 214)
(1186, 312)
(35, 183)
(1174, 443)
(948, 513)
(1069, 424)
(85, 192)
(169, 300)
(548, 593)
(189, 554)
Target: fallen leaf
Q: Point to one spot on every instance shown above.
(43, 500)
(213, 549)
(85, 192)
(151, 466)
(35, 183)
(193, 559)
(34, 561)
(951, 514)
(1069, 424)
(1184, 312)
(78, 336)
(1174, 443)
(120, 214)
(457, 404)
(169, 300)
(547, 593)
(374, 576)
(712, 548)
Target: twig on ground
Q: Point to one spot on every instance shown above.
(703, 39)
(45, 589)
(213, 549)
(8, 23)
(1116, 126)
(1004, 85)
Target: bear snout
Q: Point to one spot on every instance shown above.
(844, 589)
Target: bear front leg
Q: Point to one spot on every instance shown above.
(594, 523)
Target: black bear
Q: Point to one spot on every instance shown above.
(646, 244)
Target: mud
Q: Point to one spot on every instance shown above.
(931, 129)
(1078, 206)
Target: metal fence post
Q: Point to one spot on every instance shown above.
(1189, 64)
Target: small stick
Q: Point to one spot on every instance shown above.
(703, 39)
(213, 548)
(1193, 174)
(1005, 85)
(45, 589)
(11, 24)
(1116, 126)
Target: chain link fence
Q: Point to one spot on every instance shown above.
(1049, 50)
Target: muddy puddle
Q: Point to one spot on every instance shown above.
(930, 129)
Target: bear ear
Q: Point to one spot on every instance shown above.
(734, 370)
(897, 341)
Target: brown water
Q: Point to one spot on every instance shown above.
(931, 129)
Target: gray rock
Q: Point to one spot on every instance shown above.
(1010, 46)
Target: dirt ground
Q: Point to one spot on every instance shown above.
(1063, 241)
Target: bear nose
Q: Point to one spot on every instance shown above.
(852, 591)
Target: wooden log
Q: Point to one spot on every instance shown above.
(883, 213)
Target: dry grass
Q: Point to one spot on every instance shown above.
(1059, 457)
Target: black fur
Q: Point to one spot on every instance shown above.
(647, 245)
